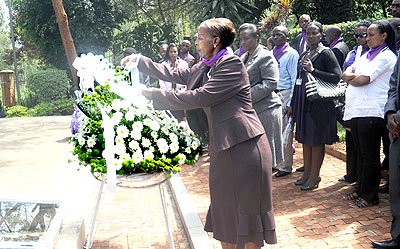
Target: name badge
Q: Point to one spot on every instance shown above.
(298, 82)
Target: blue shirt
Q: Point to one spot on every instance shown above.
(288, 71)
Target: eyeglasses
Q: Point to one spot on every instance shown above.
(362, 35)
(392, 6)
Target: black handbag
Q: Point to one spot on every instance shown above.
(320, 90)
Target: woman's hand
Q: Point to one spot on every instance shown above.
(148, 93)
(347, 76)
(128, 59)
(308, 66)
(393, 125)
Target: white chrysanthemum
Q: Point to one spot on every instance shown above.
(197, 157)
(116, 104)
(130, 115)
(182, 158)
(134, 145)
(135, 134)
(119, 140)
(148, 155)
(155, 126)
(137, 157)
(163, 157)
(122, 131)
(165, 130)
(162, 145)
(118, 163)
(137, 126)
(81, 140)
(173, 137)
(91, 142)
(146, 142)
(152, 149)
(154, 134)
(188, 150)
(120, 148)
(184, 125)
(117, 117)
(195, 144)
(125, 103)
(147, 121)
(125, 157)
(174, 147)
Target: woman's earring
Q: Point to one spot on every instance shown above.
(215, 46)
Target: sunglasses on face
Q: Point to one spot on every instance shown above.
(395, 6)
(362, 35)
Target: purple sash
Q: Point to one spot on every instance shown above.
(373, 52)
(278, 52)
(335, 42)
(211, 61)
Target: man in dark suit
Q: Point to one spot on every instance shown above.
(336, 44)
(392, 115)
(301, 44)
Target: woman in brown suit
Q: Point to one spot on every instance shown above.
(241, 213)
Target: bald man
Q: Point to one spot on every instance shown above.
(336, 44)
(185, 52)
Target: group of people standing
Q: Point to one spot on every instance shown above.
(249, 98)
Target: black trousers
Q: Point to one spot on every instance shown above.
(394, 188)
(367, 133)
(352, 158)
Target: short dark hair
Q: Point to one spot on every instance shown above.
(222, 28)
(364, 23)
(129, 51)
(384, 27)
(254, 31)
(318, 25)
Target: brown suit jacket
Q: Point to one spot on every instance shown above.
(225, 98)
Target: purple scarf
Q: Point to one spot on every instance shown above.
(183, 56)
(303, 35)
(241, 51)
(335, 42)
(373, 52)
(211, 61)
(398, 44)
(278, 52)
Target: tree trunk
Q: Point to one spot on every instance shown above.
(66, 37)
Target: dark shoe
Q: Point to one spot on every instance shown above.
(299, 182)
(311, 187)
(301, 169)
(384, 189)
(344, 179)
(282, 173)
(386, 244)
(274, 170)
(361, 203)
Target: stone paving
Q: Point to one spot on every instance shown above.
(310, 219)
(135, 220)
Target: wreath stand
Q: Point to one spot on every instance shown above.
(135, 181)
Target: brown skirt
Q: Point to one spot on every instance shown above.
(241, 208)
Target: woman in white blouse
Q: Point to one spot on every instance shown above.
(366, 95)
(172, 60)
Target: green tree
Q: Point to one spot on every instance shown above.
(92, 23)
(238, 11)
